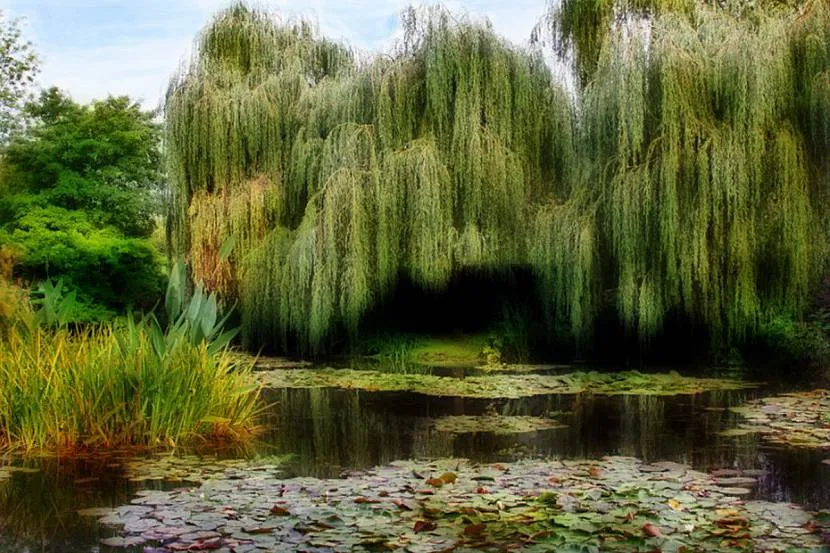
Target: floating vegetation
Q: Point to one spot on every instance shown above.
(268, 363)
(518, 368)
(502, 386)
(496, 424)
(800, 419)
(690, 183)
(189, 468)
(613, 504)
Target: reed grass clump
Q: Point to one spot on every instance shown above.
(124, 384)
(105, 387)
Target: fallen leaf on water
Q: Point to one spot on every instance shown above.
(401, 504)
(423, 526)
(651, 530)
(361, 500)
(595, 472)
(474, 529)
(732, 522)
(278, 511)
(205, 545)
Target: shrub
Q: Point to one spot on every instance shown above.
(785, 341)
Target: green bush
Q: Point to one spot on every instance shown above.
(106, 268)
(785, 341)
(81, 200)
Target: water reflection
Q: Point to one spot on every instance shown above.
(330, 431)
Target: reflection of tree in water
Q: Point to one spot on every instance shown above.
(642, 426)
(38, 511)
(331, 430)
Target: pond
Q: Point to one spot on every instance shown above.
(328, 433)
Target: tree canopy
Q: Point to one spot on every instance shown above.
(682, 182)
(18, 69)
(83, 187)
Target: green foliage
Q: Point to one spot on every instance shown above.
(83, 191)
(418, 166)
(706, 200)
(685, 181)
(783, 341)
(19, 66)
(57, 306)
(122, 384)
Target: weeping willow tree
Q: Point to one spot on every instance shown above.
(701, 127)
(685, 178)
(336, 177)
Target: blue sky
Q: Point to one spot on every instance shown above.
(92, 48)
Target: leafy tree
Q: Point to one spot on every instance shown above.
(84, 186)
(18, 68)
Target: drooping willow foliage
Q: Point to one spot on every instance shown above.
(702, 129)
(336, 176)
(684, 179)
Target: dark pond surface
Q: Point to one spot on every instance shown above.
(330, 431)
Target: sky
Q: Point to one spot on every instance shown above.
(92, 48)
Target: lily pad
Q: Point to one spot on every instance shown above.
(496, 424)
(796, 419)
(612, 504)
(501, 386)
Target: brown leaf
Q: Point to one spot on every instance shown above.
(258, 530)
(734, 522)
(474, 529)
(278, 511)
(361, 500)
(401, 504)
(423, 526)
(651, 530)
(202, 545)
(435, 482)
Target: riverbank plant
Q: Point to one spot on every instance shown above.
(125, 383)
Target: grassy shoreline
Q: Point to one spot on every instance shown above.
(122, 384)
(106, 387)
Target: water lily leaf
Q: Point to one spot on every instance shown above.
(651, 530)
(424, 526)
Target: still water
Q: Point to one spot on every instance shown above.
(330, 431)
